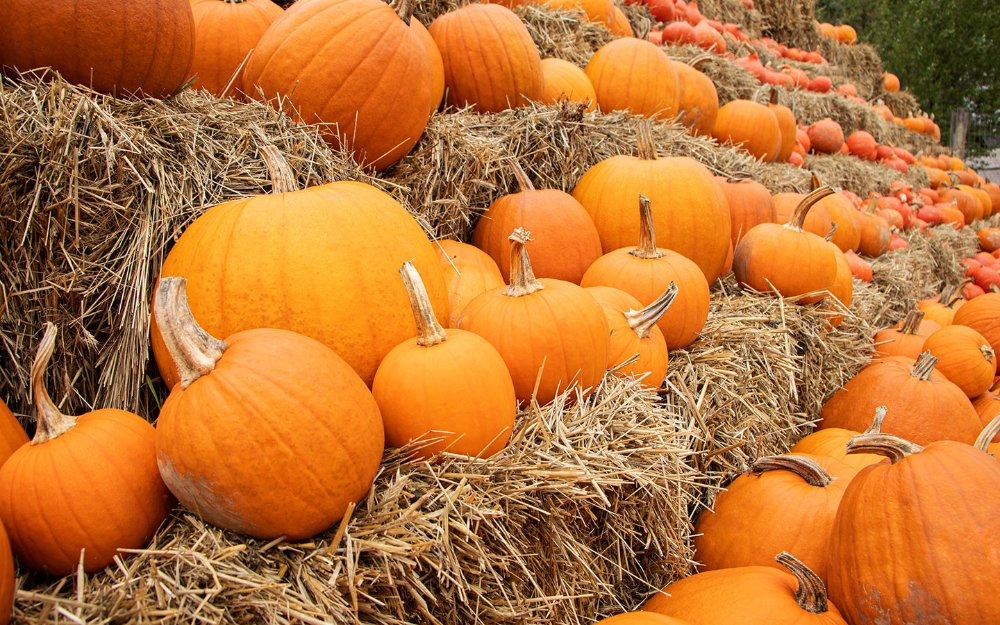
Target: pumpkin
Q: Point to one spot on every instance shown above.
(566, 242)
(915, 540)
(12, 435)
(551, 333)
(890, 82)
(989, 239)
(698, 101)
(84, 484)
(449, 388)
(786, 259)
(984, 205)
(437, 63)
(468, 271)
(964, 357)
(787, 127)
(8, 578)
(226, 32)
(634, 75)
(982, 314)
(646, 271)
(561, 80)
(874, 233)
(833, 209)
(846, 34)
(241, 274)
(860, 268)
(785, 503)
(826, 136)
(862, 144)
(217, 430)
(993, 190)
(598, 11)
(750, 204)
(120, 47)
(490, 60)
(692, 215)
(317, 62)
(641, 618)
(906, 338)
(963, 201)
(620, 25)
(842, 288)
(832, 442)
(923, 405)
(636, 346)
(751, 126)
(750, 595)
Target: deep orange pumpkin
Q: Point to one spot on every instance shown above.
(634, 75)
(750, 204)
(890, 82)
(468, 271)
(964, 357)
(620, 25)
(84, 484)
(826, 136)
(906, 338)
(12, 434)
(862, 144)
(698, 101)
(641, 618)
(832, 209)
(561, 80)
(860, 268)
(874, 233)
(751, 126)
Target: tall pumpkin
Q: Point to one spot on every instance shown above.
(84, 484)
(121, 47)
(354, 66)
(226, 32)
(561, 80)
(321, 262)
(490, 60)
(634, 75)
(12, 435)
(751, 126)
(268, 433)
(468, 271)
(690, 209)
(450, 385)
(698, 101)
(550, 333)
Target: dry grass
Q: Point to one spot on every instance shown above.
(858, 175)
(564, 35)
(733, 12)
(790, 21)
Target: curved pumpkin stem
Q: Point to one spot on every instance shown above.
(876, 425)
(522, 277)
(833, 231)
(798, 219)
(643, 321)
(193, 350)
(811, 594)
(924, 366)
(873, 441)
(872, 205)
(988, 434)
(523, 182)
(987, 352)
(911, 324)
(806, 468)
(429, 331)
(647, 232)
(404, 9)
(644, 139)
(51, 422)
(282, 177)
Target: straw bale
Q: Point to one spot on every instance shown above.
(901, 103)
(584, 514)
(858, 175)
(638, 16)
(751, 21)
(860, 63)
(792, 22)
(567, 35)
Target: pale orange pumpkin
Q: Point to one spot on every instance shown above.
(964, 357)
(468, 271)
(698, 101)
(561, 80)
(751, 126)
(634, 75)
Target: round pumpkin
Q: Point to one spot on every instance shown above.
(860, 268)
(437, 63)
(698, 101)
(750, 204)
(890, 82)
(826, 136)
(634, 75)
(964, 357)
(965, 202)
(84, 488)
(874, 233)
(268, 433)
(120, 47)
(598, 11)
(833, 214)
(787, 126)
(620, 25)
(906, 338)
(862, 144)
(832, 442)
(339, 286)
(561, 80)
(468, 271)
(751, 126)
(12, 434)
(982, 314)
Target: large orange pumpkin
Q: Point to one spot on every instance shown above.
(226, 32)
(634, 75)
(449, 388)
(468, 271)
(982, 314)
(834, 209)
(354, 66)
(561, 80)
(268, 433)
(964, 357)
(691, 212)
(490, 60)
(751, 126)
(750, 204)
(12, 434)
(965, 202)
(698, 101)
(641, 618)
(120, 47)
(339, 286)
(84, 484)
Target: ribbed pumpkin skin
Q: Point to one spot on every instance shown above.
(690, 210)
(12, 435)
(352, 63)
(7, 577)
(561, 325)
(625, 343)
(787, 127)
(468, 271)
(919, 411)
(832, 442)
(563, 80)
(873, 236)
(750, 204)
(641, 618)
(322, 262)
(915, 541)
(759, 515)
(982, 314)
(893, 342)
(225, 34)
(490, 60)
(564, 241)
(646, 279)
(772, 257)
(276, 440)
(634, 75)
(437, 63)
(964, 357)
(95, 487)
(114, 46)
(698, 101)
(751, 126)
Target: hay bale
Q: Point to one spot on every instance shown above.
(731, 82)
(639, 18)
(792, 22)
(858, 175)
(751, 21)
(567, 35)
(902, 103)
(584, 514)
(860, 63)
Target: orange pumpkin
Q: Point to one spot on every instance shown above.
(449, 388)
(216, 433)
(874, 233)
(964, 357)
(468, 271)
(890, 82)
(862, 144)
(8, 578)
(566, 242)
(634, 75)
(989, 438)
(641, 618)
(826, 136)
(646, 271)
(993, 190)
(121, 47)
(834, 213)
(550, 333)
(698, 101)
(963, 201)
(832, 442)
(691, 212)
(982, 314)
(860, 268)
(85, 484)
(226, 32)
(437, 63)
(989, 239)
(561, 80)
(906, 338)
(12, 435)
(598, 11)
(750, 204)
(787, 126)
(842, 288)
(751, 126)
(619, 25)
(846, 34)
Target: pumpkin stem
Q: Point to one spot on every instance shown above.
(522, 277)
(282, 177)
(924, 367)
(798, 219)
(833, 231)
(647, 232)
(814, 182)
(192, 349)
(987, 352)
(51, 422)
(644, 138)
(404, 10)
(773, 99)
(642, 321)
(523, 182)
(429, 331)
(988, 434)
(811, 594)
(911, 324)
(873, 441)
(806, 468)
(873, 205)
(876, 425)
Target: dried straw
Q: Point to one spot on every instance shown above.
(860, 176)
(902, 103)
(791, 22)
(751, 21)
(567, 35)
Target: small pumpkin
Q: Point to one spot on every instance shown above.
(890, 82)
(468, 271)
(561, 80)
(860, 268)
(906, 338)
(874, 233)
(862, 144)
(634, 75)
(826, 136)
(751, 126)
(964, 357)
(12, 434)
